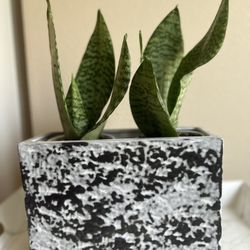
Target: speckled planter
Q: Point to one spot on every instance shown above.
(138, 194)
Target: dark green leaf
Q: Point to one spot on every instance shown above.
(147, 105)
(141, 46)
(95, 77)
(76, 110)
(202, 53)
(165, 51)
(121, 82)
(57, 79)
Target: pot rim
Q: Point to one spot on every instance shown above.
(123, 135)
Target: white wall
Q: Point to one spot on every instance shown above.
(10, 121)
(218, 99)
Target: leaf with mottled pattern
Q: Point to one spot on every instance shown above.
(202, 53)
(147, 105)
(121, 82)
(185, 81)
(76, 109)
(68, 128)
(95, 77)
(165, 51)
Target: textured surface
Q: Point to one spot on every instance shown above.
(198, 108)
(136, 194)
(236, 234)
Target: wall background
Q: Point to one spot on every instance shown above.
(218, 99)
(15, 125)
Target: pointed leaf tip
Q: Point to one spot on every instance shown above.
(121, 83)
(68, 128)
(96, 73)
(202, 53)
(176, 9)
(141, 45)
(99, 16)
(165, 50)
(49, 12)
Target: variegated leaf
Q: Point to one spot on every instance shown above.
(185, 81)
(94, 134)
(147, 105)
(202, 53)
(165, 51)
(68, 128)
(121, 82)
(95, 76)
(76, 109)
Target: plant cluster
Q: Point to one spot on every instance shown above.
(95, 81)
(157, 88)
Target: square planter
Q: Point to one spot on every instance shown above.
(123, 193)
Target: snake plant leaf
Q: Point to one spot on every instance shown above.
(95, 133)
(95, 76)
(147, 105)
(68, 128)
(141, 46)
(202, 53)
(121, 82)
(76, 110)
(165, 51)
(185, 82)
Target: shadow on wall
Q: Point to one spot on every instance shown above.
(21, 68)
(15, 125)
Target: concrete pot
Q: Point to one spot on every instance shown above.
(123, 193)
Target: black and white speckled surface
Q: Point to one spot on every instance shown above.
(139, 194)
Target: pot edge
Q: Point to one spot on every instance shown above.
(115, 135)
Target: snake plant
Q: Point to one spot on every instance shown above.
(94, 84)
(160, 83)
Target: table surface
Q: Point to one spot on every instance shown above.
(235, 219)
